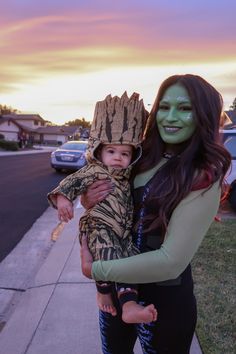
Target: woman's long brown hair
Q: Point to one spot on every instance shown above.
(202, 156)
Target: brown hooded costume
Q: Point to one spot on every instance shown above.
(108, 224)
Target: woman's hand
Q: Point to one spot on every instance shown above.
(95, 193)
(86, 258)
(65, 208)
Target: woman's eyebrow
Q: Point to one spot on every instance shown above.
(183, 99)
(165, 99)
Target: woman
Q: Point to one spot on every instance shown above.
(177, 189)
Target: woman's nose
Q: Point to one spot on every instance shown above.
(171, 115)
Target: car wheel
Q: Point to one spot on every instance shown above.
(232, 195)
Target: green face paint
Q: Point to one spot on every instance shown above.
(174, 117)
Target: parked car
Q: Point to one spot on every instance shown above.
(227, 133)
(70, 156)
(229, 138)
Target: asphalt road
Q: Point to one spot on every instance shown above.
(25, 181)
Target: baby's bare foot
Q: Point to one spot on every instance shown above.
(105, 303)
(135, 313)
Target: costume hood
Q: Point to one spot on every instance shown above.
(118, 120)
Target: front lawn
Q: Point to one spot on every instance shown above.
(214, 278)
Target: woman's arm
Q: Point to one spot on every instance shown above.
(187, 227)
(96, 192)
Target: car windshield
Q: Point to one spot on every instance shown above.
(74, 146)
(230, 144)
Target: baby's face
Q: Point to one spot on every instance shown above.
(116, 156)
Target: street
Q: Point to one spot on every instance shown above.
(25, 181)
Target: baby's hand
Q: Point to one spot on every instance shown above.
(64, 208)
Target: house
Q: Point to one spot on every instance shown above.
(20, 127)
(31, 128)
(56, 134)
(10, 129)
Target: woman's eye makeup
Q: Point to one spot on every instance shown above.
(164, 107)
(185, 108)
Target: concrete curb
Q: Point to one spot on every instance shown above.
(36, 150)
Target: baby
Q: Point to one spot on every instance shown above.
(114, 146)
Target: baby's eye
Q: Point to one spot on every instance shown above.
(125, 154)
(110, 151)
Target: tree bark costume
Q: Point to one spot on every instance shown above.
(108, 224)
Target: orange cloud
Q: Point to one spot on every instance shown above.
(43, 44)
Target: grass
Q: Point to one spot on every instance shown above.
(214, 278)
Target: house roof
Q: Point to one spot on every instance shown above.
(58, 130)
(18, 120)
(14, 121)
(3, 120)
(53, 130)
(18, 116)
(19, 125)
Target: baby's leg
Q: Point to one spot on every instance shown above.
(104, 298)
(132, 312)
(105, 303)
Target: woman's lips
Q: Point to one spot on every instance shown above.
(171, 129)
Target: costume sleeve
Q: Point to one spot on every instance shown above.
(73, 185)
(188, 225)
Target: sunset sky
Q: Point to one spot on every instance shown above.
(58, 57)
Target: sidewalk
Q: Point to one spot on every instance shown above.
(55, 310)
(37, 149)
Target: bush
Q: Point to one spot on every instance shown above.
(9, 145)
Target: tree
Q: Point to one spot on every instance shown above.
(48, 123)
(4, 109)
(79, 122)
(233, 105)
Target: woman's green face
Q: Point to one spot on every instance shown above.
(175, 117)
